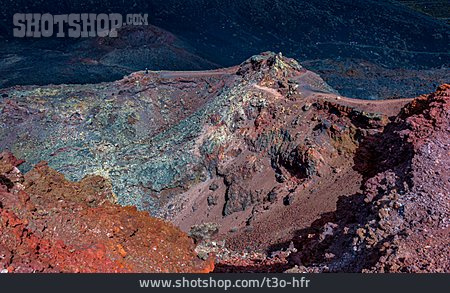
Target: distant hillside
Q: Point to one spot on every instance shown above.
(439, 9)
(378, 31)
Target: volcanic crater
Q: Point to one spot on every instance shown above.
(264, 165)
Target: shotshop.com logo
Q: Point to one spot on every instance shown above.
(84, 25)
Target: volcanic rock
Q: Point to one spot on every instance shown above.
(49, 224)
(216, 146)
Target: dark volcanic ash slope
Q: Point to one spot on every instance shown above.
(438, 9)
(313, 29)
(91, 60)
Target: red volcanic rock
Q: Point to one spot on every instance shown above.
(399, 220)
(427, 114)
(48, 224)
